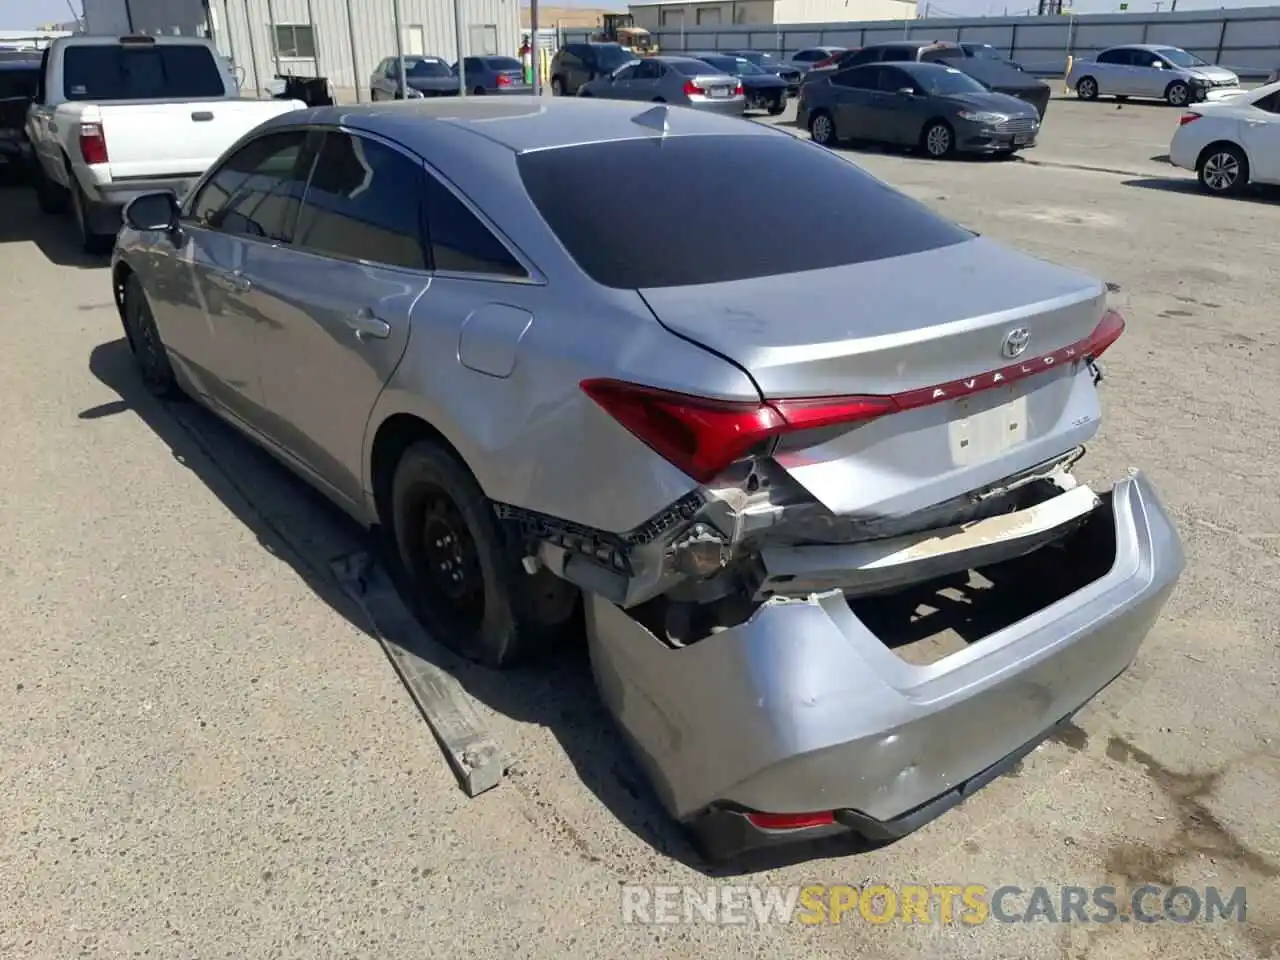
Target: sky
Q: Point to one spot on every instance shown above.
(25, 14)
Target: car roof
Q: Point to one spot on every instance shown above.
(916, 66)
(502, 123)
(685, 58)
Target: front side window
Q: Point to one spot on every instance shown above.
(108, 71)
(364, 203)
(256, 192)
(1181, 58)
(1119, 57)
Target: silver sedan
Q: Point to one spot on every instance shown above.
(490, 327)
(682, 81)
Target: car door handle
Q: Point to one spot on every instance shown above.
(231, 282)
(367, 326)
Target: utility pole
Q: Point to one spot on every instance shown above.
(535, 48)
(1158, 4)
(403, 83)
(457, 41)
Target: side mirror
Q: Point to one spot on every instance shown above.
(1159, 65)
(153, 211)
(906, 91)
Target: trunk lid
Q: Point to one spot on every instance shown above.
(163, 138)
(717, 85)
(932, 326)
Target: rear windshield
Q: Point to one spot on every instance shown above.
(822, 212)
(428, 68)
(611, 57)
(691, 68)
(723, 64)
(110, 72)
(19, 83)
(503, 63)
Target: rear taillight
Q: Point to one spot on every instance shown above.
(739, 90)
(703, 436)
(1187, 118)
(830, 61)
(504, 80)
(93, 143)
(691, 89)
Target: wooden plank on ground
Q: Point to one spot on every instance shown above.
(424, 665)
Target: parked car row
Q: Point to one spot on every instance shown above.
(434, 77)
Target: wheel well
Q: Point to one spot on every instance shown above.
(1087, 76)
(396, 434)
(1218, 145)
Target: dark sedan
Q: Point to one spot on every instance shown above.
(494, 75)
(771, 64)
(426, 77)
(926, 105)
(763, 90)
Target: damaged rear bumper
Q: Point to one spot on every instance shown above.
(801, 708)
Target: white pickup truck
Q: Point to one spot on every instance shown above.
(115, 117)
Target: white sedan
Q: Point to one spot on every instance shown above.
(1231, 143)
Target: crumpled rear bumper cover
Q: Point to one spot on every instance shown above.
(801, 708)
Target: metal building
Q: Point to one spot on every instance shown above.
(345, 40)
(668, 14)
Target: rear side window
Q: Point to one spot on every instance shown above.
(830, 212)
(898, 54)
(124, 72)
(364, 202)
(460, 243)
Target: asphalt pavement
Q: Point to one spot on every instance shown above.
(204, 752)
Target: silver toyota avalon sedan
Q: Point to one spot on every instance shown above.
(487, 326)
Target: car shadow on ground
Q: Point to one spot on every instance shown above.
(298, 526)
(54, 234)
(1255, 193)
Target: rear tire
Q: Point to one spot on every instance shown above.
(50, 197)
(777, 106)
(1087, 88)
(822, 129)
(94, 244)
(1223, 170)
(467, 580)
(1178, 94)
(479, 91)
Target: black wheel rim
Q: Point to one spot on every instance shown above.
(450, 562)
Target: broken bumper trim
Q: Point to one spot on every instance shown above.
(801, 708)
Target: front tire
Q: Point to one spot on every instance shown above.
(478, 91)
(145, 343)
(822, 129)
(557, 87)
(1087, 88)
(1178, 94)
(467, 580)
(777, 106)
(938, 140)
(1223, 170)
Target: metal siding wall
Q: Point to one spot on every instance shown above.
(371, 34)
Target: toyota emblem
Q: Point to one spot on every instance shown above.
(1015, 342)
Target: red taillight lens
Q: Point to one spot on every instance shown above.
(739, 91)
(691, 89)
(1105, 334)
(825, 63)
(504, 80)
(93, 143)
(791, 821)
(702, 436)
(1187, 118)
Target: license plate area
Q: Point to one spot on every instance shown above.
(718, 92)
(980, 430)
(1022, 139)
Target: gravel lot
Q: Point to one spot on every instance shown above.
(204, 752)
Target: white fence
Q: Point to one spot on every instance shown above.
(1246, 40)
